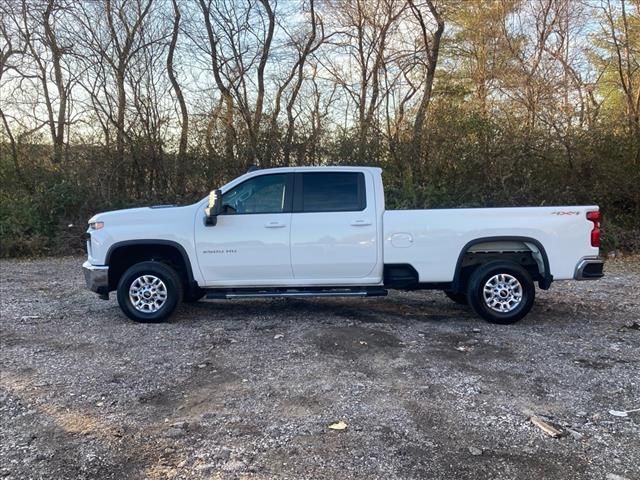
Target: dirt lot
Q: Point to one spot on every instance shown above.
(248, 388)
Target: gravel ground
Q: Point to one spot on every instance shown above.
(248, 388)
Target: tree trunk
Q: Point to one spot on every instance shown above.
(266, 47)
(56, 57)
(181, 163)
(224, 89)
(122, 101)
(433, 51)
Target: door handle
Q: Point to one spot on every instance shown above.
(360, 223)
(274, 225)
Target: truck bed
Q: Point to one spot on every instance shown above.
(432, 240)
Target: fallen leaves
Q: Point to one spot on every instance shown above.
(623, 413)
(339, 425)
(463, 348)
(476, 452)
(546, 427)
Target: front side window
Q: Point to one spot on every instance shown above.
(263, 194)
(333, 192)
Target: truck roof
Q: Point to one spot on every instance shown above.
(350, 168)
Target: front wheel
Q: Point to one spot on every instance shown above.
(501, 292)
(149, 292)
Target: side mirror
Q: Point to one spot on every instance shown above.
(214, 208)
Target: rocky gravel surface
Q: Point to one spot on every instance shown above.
(249, 388)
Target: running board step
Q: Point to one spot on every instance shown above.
(295, 292)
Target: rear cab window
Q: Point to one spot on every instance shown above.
(330, 192)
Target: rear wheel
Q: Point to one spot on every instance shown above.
(501, 292)
(149, 292)
(460, 298)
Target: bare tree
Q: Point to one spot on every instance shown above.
(108, 42)
(57, 52)
(124, 25)
(13, 47)
(431, 44)
(254, 129)
(366, 29)
(42, 43)
(153, 108)
(223, 86)
(528, 83)
(184, 124)
(627, 66)
(314, 40)
(123, 38)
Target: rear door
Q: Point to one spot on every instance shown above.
(333, 227)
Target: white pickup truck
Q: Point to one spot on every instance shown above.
(324, 231)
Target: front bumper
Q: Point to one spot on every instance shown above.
(97, 278)
(590, 268)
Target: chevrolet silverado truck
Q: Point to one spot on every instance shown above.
(324, 231)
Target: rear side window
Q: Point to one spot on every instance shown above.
(333, 192)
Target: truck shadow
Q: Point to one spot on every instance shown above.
(368, 310)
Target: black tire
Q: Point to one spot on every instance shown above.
(194, 295)
(459, 298)
(476, 292)
(173, 289)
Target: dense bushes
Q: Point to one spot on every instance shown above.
(467, 162)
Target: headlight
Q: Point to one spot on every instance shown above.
(96, 225)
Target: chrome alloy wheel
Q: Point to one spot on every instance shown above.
(148, 293)
(502, 293)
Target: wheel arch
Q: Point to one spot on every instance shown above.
(493, 244)
(122, 255)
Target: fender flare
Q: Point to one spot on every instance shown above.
(544, 283)
(164, 243)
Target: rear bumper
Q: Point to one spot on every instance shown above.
(97, 278)
(590, 268)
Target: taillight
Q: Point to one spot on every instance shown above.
(596, 218)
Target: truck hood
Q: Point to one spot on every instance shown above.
(143, 215)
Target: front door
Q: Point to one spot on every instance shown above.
(249, 245)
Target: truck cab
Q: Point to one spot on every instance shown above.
(312, 226)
